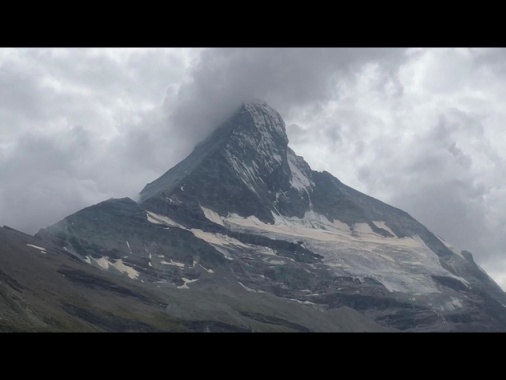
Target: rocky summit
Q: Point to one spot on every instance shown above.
(242, 235)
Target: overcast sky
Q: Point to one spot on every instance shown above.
(421, 129)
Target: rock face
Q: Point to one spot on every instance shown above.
(243, 214)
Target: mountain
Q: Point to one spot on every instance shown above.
(242, 233)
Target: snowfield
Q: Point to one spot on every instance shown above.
(400, 264)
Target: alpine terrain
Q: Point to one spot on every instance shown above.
(243, 236)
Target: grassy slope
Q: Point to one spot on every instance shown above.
(55, 292)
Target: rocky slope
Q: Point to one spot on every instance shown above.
(42, 288)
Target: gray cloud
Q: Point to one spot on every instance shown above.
(97, 123)
(78, 126)
(418, 128)
(433, 147)
(288, 79)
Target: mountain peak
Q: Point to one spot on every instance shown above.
(252, 143)
(265, 118)
(258, 139)
(256, 101)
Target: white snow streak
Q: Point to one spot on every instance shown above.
(161, 219)
(299, 180)
(302, 302)
(174, 263)
(207, 270)
(382, 225)
(451, 247)
(249, 289)
(212, 216)
(186, 281)
(217, 239)
(105, 263)
(42, 250)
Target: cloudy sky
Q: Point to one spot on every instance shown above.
(420, 129)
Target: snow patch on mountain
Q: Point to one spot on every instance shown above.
(212, 238)
(161, 219)
(105, 264)
(207, 270)
(303, 302)
(456, 303)
(298, 180)
(266, 251)
(249, 289)
(363, 230)
(400, 264)
(276, 262)
(173, 263)
(450, 247)
(383, 225)
(186, 282)
(217, 239)
(42, 250)
(313, 226)
(131, 272)
(212, 216)
(226, 254)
